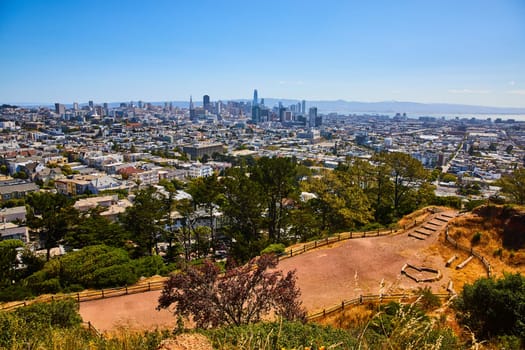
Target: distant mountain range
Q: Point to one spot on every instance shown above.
(391, 107)
(348, 107)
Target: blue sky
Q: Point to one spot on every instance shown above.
(452, 51)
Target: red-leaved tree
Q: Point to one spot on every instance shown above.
(242, 295)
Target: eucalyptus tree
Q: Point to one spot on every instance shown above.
(338, 203)
(406, 174)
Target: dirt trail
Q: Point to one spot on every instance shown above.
(366, 266)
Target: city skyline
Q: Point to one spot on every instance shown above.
(472, 52)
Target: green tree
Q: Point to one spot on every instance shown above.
(206, 192)
(97, 266)
(492, 307)
(20, 175)
(144, 220)
(186, 209)
(66, 170)
(93, 229)
(9, 261)
(276, 178)
(406, 173)
(338, 203)
(201, 241)
(304, 224)
(243, 207)
(51, 216)
(513, 186)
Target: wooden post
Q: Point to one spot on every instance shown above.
(102, 290)
(291, 253)
(304, 248)
(78, 297)
(126, 289)
(149, 286)
(343, 305)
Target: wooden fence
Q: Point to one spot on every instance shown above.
(90, 295)
(469, 250)
(92, 329)
(344, 236)
(363, 299)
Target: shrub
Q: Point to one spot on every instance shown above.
(61, 314)
(276, 248)
(51, 286)
(111, 276)
(427, 299)
(476, 238)
(150, 266)
(498, 252)
(15, 292)
(97, 266)
(494, 307)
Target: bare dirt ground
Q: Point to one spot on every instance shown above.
(365, 266)
(326, 276)
(132, 312)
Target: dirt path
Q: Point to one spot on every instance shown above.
(326, 276)
(365, 266)
(135, 311)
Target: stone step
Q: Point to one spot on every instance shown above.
(413, 235)
(422, 233)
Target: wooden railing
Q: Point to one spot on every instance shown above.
(363, 299)
(469, 250)
(89, 326)
(91, 295)
(345, 236)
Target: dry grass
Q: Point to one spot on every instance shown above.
(464, 228)
(420, 215)
(351, 318)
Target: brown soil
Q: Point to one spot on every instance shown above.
(133, 312)
(356, 267)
